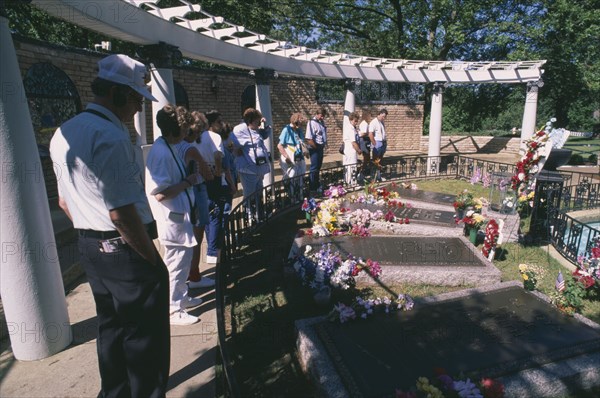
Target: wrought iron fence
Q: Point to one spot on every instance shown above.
(573, 237)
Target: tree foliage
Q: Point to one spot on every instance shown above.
(564, 32)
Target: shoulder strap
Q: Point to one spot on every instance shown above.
(181, 172)
(99, 114)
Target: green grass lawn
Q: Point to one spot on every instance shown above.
(265, 298)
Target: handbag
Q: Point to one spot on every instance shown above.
(341, 150)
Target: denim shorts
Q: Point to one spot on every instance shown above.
(201, 195)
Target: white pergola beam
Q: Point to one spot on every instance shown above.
(215, 45)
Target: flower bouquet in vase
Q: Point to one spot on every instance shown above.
(309, 207)
(462, 201)
(473, 223)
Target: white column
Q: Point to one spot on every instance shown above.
(263, 104)
(530, 111)
(163, 90)
(31, 282)
(435, 128)
(139, 121)
(347, 129)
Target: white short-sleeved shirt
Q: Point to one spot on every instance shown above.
(378, 129)
(253, 146)
(363, 128)
(172, 215)
(210, 144)
(316, 131)
(96, 169)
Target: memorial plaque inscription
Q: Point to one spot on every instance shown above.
(399, 250)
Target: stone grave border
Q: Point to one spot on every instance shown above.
(553, 379)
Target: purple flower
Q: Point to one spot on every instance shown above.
(466, 389)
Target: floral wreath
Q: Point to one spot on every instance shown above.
(527, 167)
(492, 232)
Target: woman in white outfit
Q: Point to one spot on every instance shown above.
(351, 147)
(171, 198)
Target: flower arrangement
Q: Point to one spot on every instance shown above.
(463, 200)
(442, 385)
(525, 201)
(362, 308)
(528, 165)
(309, 207)
(328, 268)
(335, 191)
(568, 295)
(474, 220)
(589, 265)
(492, 232)
(476, 176)
(529, 276)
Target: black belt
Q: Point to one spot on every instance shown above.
(103, 235)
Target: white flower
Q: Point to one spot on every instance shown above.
(470, 213)
(521, 176)
(553, 120)
(307, 249)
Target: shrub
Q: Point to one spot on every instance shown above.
(593, 159)
(576, 160)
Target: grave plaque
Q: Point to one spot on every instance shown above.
(425, 196)
(398, 250)
(414, 214)
(498, 332)
(450, 261)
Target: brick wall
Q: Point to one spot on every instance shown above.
(404, 122)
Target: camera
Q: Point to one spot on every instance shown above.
(261, 160)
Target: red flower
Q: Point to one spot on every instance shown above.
(492, 388)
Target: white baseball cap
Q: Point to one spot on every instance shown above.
(119, 68)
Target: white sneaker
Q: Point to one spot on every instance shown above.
(192, 302)
(202, 283)
(211, 259)
(182, 318)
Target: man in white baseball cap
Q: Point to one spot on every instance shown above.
(119, 68)
(101, 190)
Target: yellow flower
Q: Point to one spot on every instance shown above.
(525, 277)
(522, 267)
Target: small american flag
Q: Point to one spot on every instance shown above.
(560, 282)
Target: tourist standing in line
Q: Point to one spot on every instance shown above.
(351, 147)
(316, 138)
(188, 151)
(378, 140)
(228, 163)
(169, 187)
(213, 150)
(252, 159)
(291, 160)
(365, 146)
(101, 190)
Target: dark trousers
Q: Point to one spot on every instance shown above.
(316, 161)
(132, 307)
(214, 229)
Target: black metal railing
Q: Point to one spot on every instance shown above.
(572, 236)
(282, 196)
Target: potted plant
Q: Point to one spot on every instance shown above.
(473, 223)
